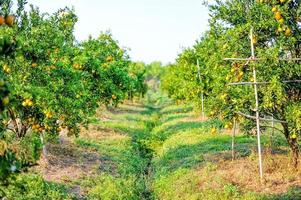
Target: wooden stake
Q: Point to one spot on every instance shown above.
(272, 134)
(262, 119)
(233, 139)
(257, 109)
(203, 107)
(44, 152)
(261, 83)
(257, 59)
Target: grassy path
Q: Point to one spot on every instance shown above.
(139, 152)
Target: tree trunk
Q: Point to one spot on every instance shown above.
(293, 145)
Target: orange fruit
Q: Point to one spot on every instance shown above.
(9, 20)
(274, 9)
(109, 58)
(2, 20)
(278, 15)
(254, 39)
(288, 32)
(279, 29)
(5, 101)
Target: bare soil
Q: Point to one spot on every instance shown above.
(279, 175)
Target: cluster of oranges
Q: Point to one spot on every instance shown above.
(27, 103)
(37, 127)
(34, 125)
(6, 69)
(40, 128)
(49, 68)
(279, 17)
(109, 59)
(8, 20)
(48, 114)
(34, 65)
(236, 68)
(77, 66)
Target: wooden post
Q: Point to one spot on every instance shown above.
(272, 135)
(44, 152)
(233, 139)
(203, 107)
(257, 109)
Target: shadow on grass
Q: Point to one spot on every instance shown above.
(116, 111)
(189, 156)
(173, 110)
(173, 117)
(165, 132)
(117, 158)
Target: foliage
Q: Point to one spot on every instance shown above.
(32, 186)
(138, 72)
(55, 83)
(276, 29)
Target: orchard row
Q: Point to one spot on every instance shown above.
(50, 82)
(277, 36)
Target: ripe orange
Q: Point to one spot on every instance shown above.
(6, 68)
(2, 20)
(9, 20)
(48, 115)
(5, 101)
(27, 103)
(288, 32)
(254, 39)
(279, 29)
(278, 16)
(274, 9)
(109, 58)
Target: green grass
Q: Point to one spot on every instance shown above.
(123, 158)
(183, 147)
(159, 153)
(187, 149)
(32, 186)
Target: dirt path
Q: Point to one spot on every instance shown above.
(72, 160)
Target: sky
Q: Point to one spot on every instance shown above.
(153, 30)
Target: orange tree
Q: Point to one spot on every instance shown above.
(181, 80)
(276, 35)
(55, 83)
(138, 73)
(108, 66)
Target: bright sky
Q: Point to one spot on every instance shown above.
(154, 30)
